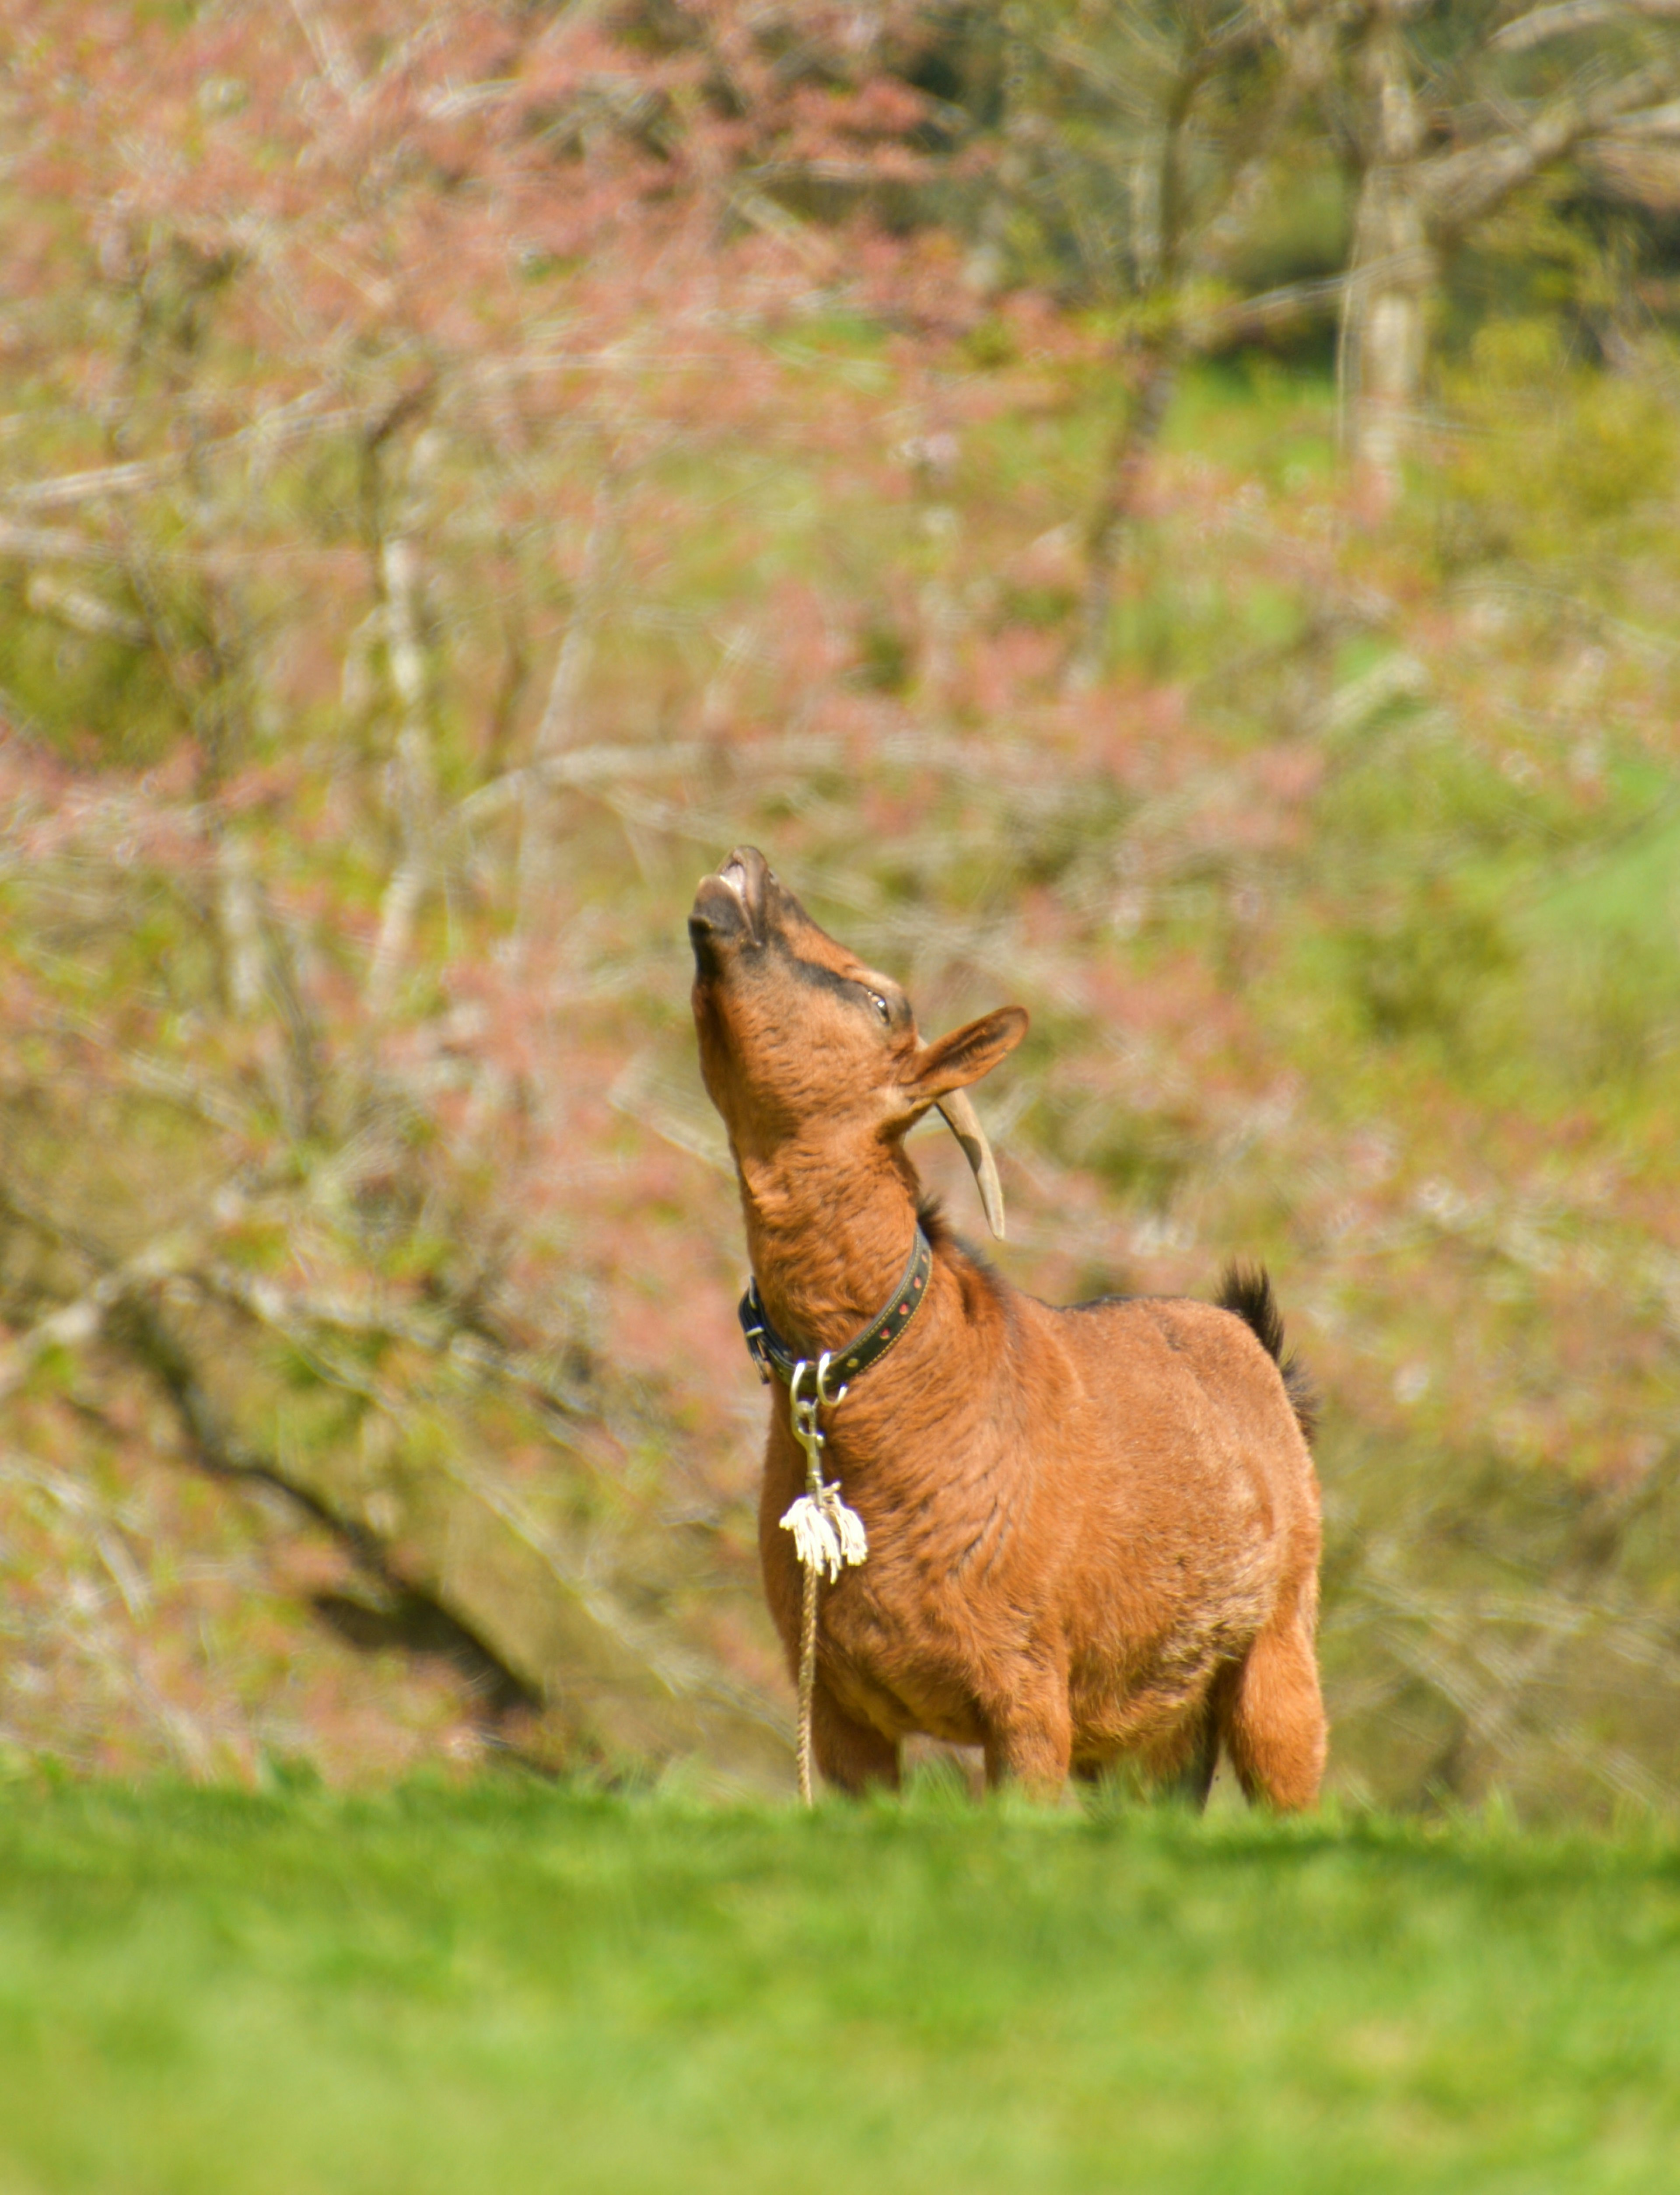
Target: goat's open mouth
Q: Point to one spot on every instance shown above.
(730, 903)
(734, 874)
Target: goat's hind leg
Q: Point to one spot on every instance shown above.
(1190, 1779)
(1273, 1718)
(1179, 1765)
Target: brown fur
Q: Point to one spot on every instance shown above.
(1093, 1532)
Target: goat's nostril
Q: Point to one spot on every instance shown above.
(734, 874)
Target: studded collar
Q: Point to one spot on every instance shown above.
(772, 1354)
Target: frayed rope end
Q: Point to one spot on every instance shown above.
(827, 1536)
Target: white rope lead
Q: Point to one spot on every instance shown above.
(827, 1536)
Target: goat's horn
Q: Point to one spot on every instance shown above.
(964, 1122)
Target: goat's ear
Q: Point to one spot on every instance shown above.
(952, 1061)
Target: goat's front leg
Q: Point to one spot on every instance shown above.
(851, 1754)
(1029, 1739)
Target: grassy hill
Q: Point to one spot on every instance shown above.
(514, 1988)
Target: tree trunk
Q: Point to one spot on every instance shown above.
(1385, 336)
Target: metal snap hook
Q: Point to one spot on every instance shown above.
(823, 1396)
(802, 1410)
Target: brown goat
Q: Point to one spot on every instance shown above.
(1093, 1532)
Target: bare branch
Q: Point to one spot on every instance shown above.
(299, 418)
(589, 768)
(82, 611)
(1655, 125)
(332, 56)
(293, 1312)
(41, 545)
(1566, 16)
(84, 1319)
(1460, 188)
(71, 488)
(412, 767)
(1243, 319)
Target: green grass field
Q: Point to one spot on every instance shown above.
(509, 1989)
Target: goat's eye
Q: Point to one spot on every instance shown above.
(881, 1006)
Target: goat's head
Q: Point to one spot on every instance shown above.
(799, 1040)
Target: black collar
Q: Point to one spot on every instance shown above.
(770, 1353)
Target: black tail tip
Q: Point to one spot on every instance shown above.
(1247, 1290)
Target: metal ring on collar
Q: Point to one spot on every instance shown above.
(823, 1394)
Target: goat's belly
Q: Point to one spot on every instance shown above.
(910, 1702)
(1128, 1702)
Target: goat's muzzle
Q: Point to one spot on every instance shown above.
(729, 904)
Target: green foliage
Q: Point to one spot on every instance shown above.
(886, 656)
(1424, 969)
(1556, 457)
(86, 689)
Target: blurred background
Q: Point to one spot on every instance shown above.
(1164, 513)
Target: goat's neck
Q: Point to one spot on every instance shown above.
(829, 1236)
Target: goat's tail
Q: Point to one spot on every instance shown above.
(1247, 1291)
